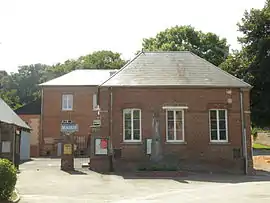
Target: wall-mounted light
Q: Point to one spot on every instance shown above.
(229, 91)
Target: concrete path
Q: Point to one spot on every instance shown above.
(42, 181)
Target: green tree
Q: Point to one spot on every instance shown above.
(23, 87)
(180, 38)
(255, 27)
(102, 60)
(236, 64)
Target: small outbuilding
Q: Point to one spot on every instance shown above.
(11, 126)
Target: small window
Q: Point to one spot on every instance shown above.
(218, 125)
(132, 125)
(94, 101)
(67, 102)
(175, 125)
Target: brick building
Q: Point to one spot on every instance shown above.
(69, 98)
(203, 113)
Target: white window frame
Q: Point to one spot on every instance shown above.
(68, 98)
(183, 124)
(218, 132)
(132, 135)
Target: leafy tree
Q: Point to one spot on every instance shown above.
(180, 38)
(21, 88)
(255, 27)
(236, 64)
(101, 60)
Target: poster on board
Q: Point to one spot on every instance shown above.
(101, 146)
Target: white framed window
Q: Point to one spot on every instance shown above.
(132, 125)
(218, 125)
(95, 101)
(175, 125)
(67, 102)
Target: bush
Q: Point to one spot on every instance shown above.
(8, 179)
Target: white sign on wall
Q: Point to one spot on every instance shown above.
(6, 146)
(148, 146)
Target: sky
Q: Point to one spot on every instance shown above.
(52, 31)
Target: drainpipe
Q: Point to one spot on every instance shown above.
(41, 127)
(244, 132)
(111, 127)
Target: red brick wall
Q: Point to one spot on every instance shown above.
(197, 146)
(52, 115)
(34, 122)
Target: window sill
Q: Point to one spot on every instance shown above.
(132, 142)
(176, 142)
(67, 110)
(219, 143)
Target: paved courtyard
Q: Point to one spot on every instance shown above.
(41, 181)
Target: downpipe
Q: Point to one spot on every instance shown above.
(111, 127)
(244, 133)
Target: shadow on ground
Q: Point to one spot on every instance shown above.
(187, 177)
(25, 161)
(75, 172)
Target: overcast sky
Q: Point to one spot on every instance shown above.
(51, 31)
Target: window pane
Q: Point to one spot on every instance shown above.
(222, 135)
(213, 115)
(178, 115)
(179, 135)
(213, 125)
(64, 104)
(170, 115)
(170, 135)
(69, 105)
(136, 134)
(136, 124)
(136, 114)
(221, 114)
(171, 125)
(179, 125)
(127, 115)
(214, 135)
(127, 134)
(128, 124)
(222, 125)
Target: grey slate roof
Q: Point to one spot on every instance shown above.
(7, 115)
(84, 77)
(181, 68)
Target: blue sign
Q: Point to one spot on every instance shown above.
(69, 127)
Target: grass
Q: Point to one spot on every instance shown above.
(260, 146)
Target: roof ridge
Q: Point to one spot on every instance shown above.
(219, 69)
(135, 57)
(161, 51)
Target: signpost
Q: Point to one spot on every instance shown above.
(67, 155)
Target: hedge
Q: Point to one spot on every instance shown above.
(8, 179)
